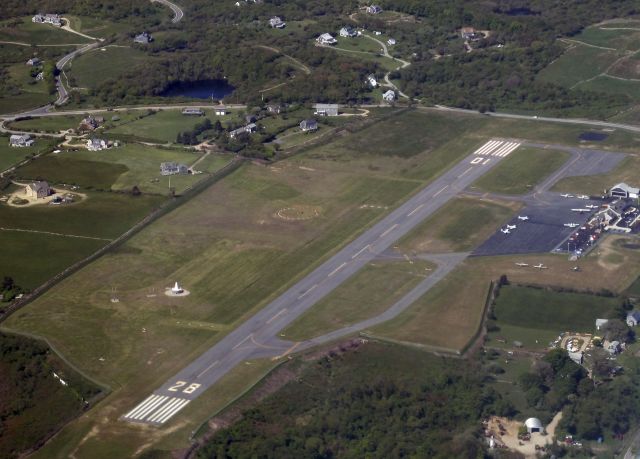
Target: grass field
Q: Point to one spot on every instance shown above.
(634, 289)
(522, 171)
(52, 124)
(612, 85)
(162, 126)
(93, 68)
(370, 292)
(578, 63)
(120, 169)
(38, 34)
(459, 226)
(97, 27)
(103, 216)
(548, 309)
(449, 314)
(12, 155)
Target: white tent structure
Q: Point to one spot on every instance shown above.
(533, 425)
(176, 289)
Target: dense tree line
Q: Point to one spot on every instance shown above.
(354, 408)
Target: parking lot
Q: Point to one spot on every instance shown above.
(544, 230)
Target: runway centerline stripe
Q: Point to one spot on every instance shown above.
(282, 311)
(365, 247)
(241, 342)
(441, 190)
(395, 225)
(337, 269)
(463, 174)
(208, 368)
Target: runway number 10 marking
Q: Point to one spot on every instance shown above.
(190, 389)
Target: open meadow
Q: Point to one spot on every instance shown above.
(460, 226)
(97, 66)
(449, 315)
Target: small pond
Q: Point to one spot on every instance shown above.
(204, 89)
(593, 136)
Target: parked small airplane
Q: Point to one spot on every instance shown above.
(566, 195)
(571, 225)
(576, 268)
(522, 265)
(505, 230)
(580, 210)
(592, 206)
(582, 196)
(524, 218)
(511, 227)
(540, 266)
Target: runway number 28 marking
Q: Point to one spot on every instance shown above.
(190, 389)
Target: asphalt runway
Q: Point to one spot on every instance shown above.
(257, 337)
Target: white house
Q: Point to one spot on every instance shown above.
(34, 62)
(374, 9)
(277, 23)
(326, 109)
(53, 19)
(249, 129)
(371, 79)
(633, 318)
(309, 125)
(348, 32)
(389, 96)
(326, 39)
(391, 41)
(622, 190)
(20, 140)
(97, 144)
(601, 323)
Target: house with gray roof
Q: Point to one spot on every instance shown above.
(309, 125)
(20, 140)
(38, 190)
(143, 38)
(277, 23)
(173, 168)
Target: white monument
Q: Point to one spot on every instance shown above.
(176, 289)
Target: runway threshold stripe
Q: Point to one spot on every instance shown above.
(141, 404)
(487, 147)
(163, 409)
(173, 412)
(144, 406)
(150, 408)
(502, 149)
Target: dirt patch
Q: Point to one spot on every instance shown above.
(505, 434)
(298, 213)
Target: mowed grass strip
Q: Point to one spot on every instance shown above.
(47, 123)
(521, 171)
(540, 308)
(161, 126)
(368, 293)
(459, 226)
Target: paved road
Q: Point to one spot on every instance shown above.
(258, 336)
(586, 122)
(177, 11)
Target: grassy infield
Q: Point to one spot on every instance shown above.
(231, 250)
